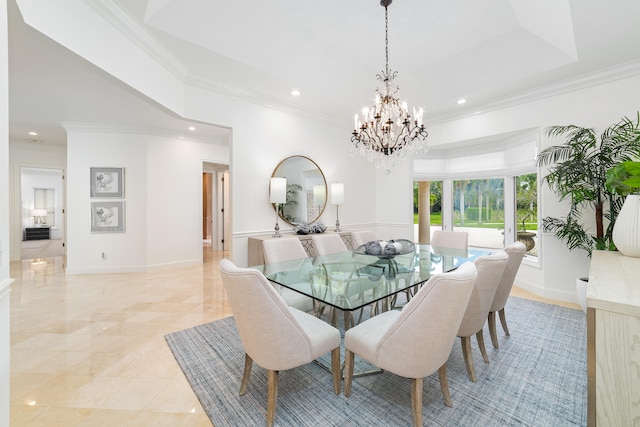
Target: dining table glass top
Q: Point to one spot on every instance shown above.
(351, 280)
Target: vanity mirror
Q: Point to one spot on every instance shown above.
(306, 190)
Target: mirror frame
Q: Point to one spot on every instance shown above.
(276, 174)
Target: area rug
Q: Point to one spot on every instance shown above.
(538, 377)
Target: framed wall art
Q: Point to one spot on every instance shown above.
(107, 217)
(107, 182)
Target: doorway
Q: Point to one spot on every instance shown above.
(42, 210)
(215, 202)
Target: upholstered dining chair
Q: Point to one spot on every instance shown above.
(515, 252)
(450, 239)
(328, 244)
(416, 341)
(277, 337)
(490, 269)
(362, 237)
(287, 249)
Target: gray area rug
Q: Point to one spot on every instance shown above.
(538, 377)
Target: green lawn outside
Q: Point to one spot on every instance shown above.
(436, 219)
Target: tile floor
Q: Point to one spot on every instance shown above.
(89, 350)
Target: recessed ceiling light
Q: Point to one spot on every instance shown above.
(32, 133)
(295, 92)
(461, 101)
(191, 128)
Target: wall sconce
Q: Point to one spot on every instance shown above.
(337, 198)
(278, 195)
(37, 215)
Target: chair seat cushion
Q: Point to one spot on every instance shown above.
(296, 299)
(323, 337)
(363, 338)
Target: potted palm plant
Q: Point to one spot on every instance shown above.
(624, 180)
(578, 173)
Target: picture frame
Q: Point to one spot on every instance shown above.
(108, 217)
(107, 182)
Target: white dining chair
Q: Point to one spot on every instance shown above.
(450, 239)
(288, 249)
(359, 238)
(416, 341)
(277, 337)
(490, 269)
(328, 244)
(515, 252)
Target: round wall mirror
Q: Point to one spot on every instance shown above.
(306, 190)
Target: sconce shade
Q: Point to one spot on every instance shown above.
(38, 212)
(337, 193)
(278, 190)
(319, 195)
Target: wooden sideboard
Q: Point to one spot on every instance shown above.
(613, 340)
(256, 254)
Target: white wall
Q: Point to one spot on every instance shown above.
(595, 106)
(262, 137)
(174, 198)
(5, 281)
(163, 200)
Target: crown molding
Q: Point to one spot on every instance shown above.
(137, 34)
(139, 130)
(585, 81)
(263, 100)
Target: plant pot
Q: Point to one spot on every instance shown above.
(581, 291)
(626, 231)
(526, 237)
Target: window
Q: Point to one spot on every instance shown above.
(526, 187)
(478, 208)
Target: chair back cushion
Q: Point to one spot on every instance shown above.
(490, 269)
(327, 244)
(515, 252)
(269, 331)
(362, 237)
(283, 249)
(450, 239)
(420, 339)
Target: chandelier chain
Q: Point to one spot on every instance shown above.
(386, 40)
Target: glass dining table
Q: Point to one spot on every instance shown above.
(349, 281)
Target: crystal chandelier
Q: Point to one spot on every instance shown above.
(387, 131)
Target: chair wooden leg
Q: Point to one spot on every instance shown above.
(468, 359)
(416, 401)
(333, 317)
(503, 320)
(248, 362)
(348, 372)
(444, 385)
(272, 396)
(480, 338)
(491, 320)
(335, 369)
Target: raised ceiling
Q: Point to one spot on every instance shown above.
(489, 52)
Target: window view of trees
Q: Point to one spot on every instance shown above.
(527, 211)
(435, 194)
(478, 208)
